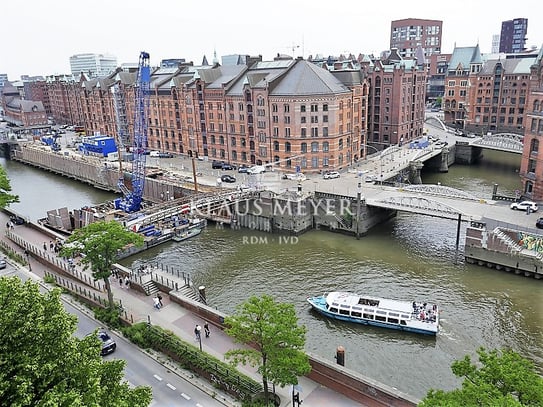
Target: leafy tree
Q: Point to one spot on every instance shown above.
(44, 364)
(504, 379)
(278, 342)
(100, 243)
(5, 197)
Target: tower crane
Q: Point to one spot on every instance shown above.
(132, 198)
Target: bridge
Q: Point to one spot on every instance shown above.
(507, 142)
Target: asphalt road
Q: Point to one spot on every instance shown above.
(169, 388)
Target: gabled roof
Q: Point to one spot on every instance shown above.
(463, 57)
(510, 66)
(306, 78)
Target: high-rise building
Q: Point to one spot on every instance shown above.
(408, 34)
(495, 44)
(92, 65)
(513, 35)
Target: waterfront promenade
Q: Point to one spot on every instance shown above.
(181, 321)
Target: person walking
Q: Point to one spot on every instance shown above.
(156, 302)
(127, 282)
(197, 330)
(206, 329)
(160, 300)
(45, 246)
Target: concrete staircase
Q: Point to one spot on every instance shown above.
(150, 287)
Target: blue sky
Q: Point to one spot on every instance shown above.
(39, 36)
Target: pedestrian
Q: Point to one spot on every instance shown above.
(156, 302)
(11, 225)
(45, 246)
(127, 282)
(51, 245)
(206, 329)
(121, 281)
(7, 225)
(160, 299)
(197, 330)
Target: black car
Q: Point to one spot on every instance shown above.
(539, 223)
(217, 165)
(228, 178)
(17, 220)
(108, 344)
(227, 166)
(165, 155)
(243, 169)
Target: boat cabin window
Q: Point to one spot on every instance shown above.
(393, 314)
(367, 301)
(344, 312)
(393, 320)
(405, 316)
(380, 312)
(380, 318)
(368, 316)
(402, 322)
(333, 309)
(356, 314)
(368, 310)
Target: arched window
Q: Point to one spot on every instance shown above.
(275, 146)
(288, 147)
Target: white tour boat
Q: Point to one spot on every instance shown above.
(418, 317)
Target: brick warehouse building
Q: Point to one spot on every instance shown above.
(289, 112)
(531, 167)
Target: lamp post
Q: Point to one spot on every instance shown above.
(199, 335)
(27, 254)
(380, 159)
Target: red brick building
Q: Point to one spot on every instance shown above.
(531, 168)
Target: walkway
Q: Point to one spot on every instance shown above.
(182, 322)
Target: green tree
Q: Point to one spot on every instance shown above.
(504, 379)
(100, 244)
(5, 197)
(277, 341)
(44, 364)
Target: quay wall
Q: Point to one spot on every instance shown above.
(352, 384)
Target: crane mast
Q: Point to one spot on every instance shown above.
(131, 202)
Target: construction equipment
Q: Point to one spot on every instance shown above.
(132, 198)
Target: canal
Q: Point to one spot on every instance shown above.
(409, 257)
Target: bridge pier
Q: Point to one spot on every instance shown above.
(414, 172)
(444, 167)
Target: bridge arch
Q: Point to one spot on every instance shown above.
(436, 121)
(501, 141)
(420, 205)
(440, 190)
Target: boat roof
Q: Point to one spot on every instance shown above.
(352, 299)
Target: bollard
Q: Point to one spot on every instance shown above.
(340, 355)
(202, 290)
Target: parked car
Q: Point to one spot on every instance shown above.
(227, 166)
(524, 206)
(3, 263)
(297, 176)
(108, 344)
(17, 220)
(165, 155)
(243, 169)
(228, 178)
(331, 175)
(539, 223)
(256, 169)
(217, 165)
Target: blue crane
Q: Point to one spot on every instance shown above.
(132, 198)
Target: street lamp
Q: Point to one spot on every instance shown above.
(380, 159)
(199, 335)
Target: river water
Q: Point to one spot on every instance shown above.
(410, 257)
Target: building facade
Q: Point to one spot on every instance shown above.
(513, 35)
(531, 167)
(92, 65)
(408, 34)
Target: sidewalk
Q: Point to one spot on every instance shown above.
(182, 322)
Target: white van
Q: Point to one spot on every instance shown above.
(154, 154)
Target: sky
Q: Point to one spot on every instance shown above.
(39, 36)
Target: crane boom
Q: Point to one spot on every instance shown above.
(133, 198)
